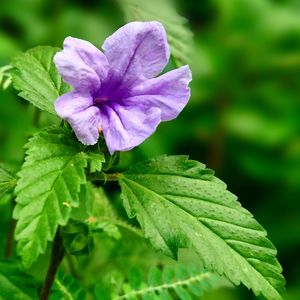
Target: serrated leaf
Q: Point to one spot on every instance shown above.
(7, 180)
(48, 187)
(181, 204)
(15, 283)
(37, 79)
(179, 36)
(66, 288)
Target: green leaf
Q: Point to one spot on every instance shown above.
(37, 79)
(7, 180)
(15, 284)
(48, 187)
(66, 288)
(179, 36)
(95, 159)
(101, 216)
(77, 239)
(179, 204)
(158, 288)
(5, 77)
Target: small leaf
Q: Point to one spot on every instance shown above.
(77, 239)
(182, 293)
(181, 204)
(15, 283)
(48, 187)
(95, 160)
(158, 288)
(135, 277)
(108, 228)
(154, 276)
(66, 288)
(37, 79)
(179, 36)
(7, 180)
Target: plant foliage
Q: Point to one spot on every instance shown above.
(179, 203)
(15, 283)
(48, 187)
(36, 77)
(7, 180)
(66, 288)
(182, 282)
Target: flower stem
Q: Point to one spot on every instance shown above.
(57, 256)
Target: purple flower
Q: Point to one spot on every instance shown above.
(116, 91)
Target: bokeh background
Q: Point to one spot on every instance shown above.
(242, 120)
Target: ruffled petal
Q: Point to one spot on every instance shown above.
(78, 110)
(170, 92)
(137, 51)
(124, 129)
(81, 64)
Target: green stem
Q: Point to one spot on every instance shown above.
(104, 177)
(57, 256)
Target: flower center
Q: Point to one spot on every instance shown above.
(100, 99)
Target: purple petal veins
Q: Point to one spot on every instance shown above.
(117, 91)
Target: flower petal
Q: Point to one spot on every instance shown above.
(170, 92)
(78, 110)
(81, 64)
(124, 129)
(137, 51)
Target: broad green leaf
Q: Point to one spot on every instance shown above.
(7, 180)
(179, 36)
(66, 288)
(15, 284)
(179, 204)
(37, 79)
(47, 189)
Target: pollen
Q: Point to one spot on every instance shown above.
(91, 220)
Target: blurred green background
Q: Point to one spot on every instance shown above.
(242, 120)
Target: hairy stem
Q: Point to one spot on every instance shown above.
(57, 256)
